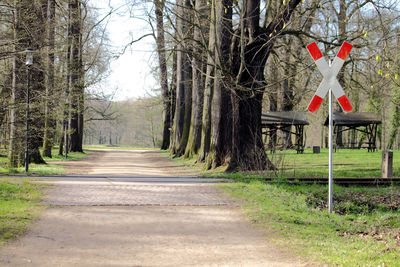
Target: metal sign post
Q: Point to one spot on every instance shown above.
(330, 84)
(330, 190)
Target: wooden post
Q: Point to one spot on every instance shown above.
(316, 149)
(387, 164)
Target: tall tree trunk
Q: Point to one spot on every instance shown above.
(180, 90)
(173, 98)
(221, 136)
(247, 148)
(16, 144)
(208, 92)
(183, 80)
(162, 60)
(67, 93)
(76, 91)
(37, 29)
(201, 17)
(29, 29)
(81, 97)
(50, 121)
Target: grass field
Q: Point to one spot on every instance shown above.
(348, 163)
(18, 206)
(42, 169)
(363, 231)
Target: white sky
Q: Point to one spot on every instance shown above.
(130, 73)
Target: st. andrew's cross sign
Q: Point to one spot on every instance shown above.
(329, 73)
(330, 84)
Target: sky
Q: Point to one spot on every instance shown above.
(131, 72)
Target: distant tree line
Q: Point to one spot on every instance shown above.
(132, 122)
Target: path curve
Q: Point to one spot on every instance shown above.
(112, 223)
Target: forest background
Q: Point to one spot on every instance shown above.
(219, 65)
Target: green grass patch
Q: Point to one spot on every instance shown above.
(71, 156)
(179, 160)
(18, 207)
(42, 169)
(188, 162)
(348, 163)
(363, 231)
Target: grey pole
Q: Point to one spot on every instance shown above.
(330, 196)
(27, 120)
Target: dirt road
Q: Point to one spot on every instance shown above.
(142, 163)
(157, 223)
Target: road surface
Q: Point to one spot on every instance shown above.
(132, 208)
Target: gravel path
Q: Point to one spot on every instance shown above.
(108, 223)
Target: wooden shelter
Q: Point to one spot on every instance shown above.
(364, 122)
(283, 121)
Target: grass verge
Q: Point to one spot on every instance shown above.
(18, 207)
(363, 231)
(182, 161)
(347, 163)
(42, 169)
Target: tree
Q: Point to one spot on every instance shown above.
(29, 29)
(208, 92)
(166, 95)
(199, 58)
(76, 77)
(221, 135)
(183, 80)
(253, 49)
(50, 120)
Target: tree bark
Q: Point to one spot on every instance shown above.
(29, 29)
(201, 16)
(38, 33)
(248, 149)
(208, 93)
(166, 97)
(16, 144)
(221, 135)
(183, 80)
(50, 121)
(76, 85)
(172, 87)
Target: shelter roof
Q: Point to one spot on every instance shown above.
(284, 118)
(354, 119)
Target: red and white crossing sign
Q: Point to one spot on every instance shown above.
(329, 73)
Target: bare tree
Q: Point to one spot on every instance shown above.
(50, 120)
(199, 58)
(161, 49)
